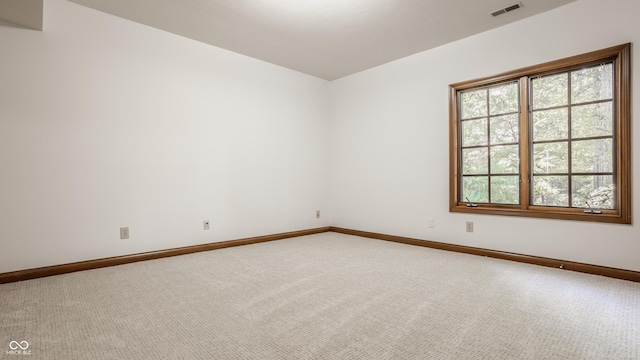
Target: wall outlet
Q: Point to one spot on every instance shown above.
(317, 214)
(469, 226)
(124, 233)
(205, 224)
(431, 223)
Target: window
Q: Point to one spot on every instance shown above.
(551, 140)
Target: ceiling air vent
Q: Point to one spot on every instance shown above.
(507, 9)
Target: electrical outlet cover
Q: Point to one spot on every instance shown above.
(124, 233)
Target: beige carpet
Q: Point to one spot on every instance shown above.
(324, 296)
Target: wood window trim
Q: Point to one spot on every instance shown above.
(621, 55)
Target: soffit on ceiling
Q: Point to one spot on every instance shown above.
(328, 39)
(27, 13)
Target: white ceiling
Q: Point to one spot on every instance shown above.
(325, 38)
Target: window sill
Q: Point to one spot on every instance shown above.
(607, 216)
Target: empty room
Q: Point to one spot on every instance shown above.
(319, 179)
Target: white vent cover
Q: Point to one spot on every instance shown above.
(506, 9)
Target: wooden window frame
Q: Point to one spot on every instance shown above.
(621, 57)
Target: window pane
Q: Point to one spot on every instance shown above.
(505, 189)
(551, 124)
(550, 158)
(592, 120)
(474, 132)
(505, 159)
(592, 156)
(475, 188)
(504, 129)
(503, 99)
(475, 161)
(591, 84)
(550, 190)
(595, 191)
(550, 91)
(474, 104)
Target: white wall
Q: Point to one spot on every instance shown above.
(106, 123)
(389, 138)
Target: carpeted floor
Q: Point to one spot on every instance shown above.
(324, 296)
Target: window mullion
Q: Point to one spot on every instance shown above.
(570, 143)
(525, 155)
(489, 197)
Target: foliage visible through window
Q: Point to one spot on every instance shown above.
(548, 141)
(490, 136)
(573, 138)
